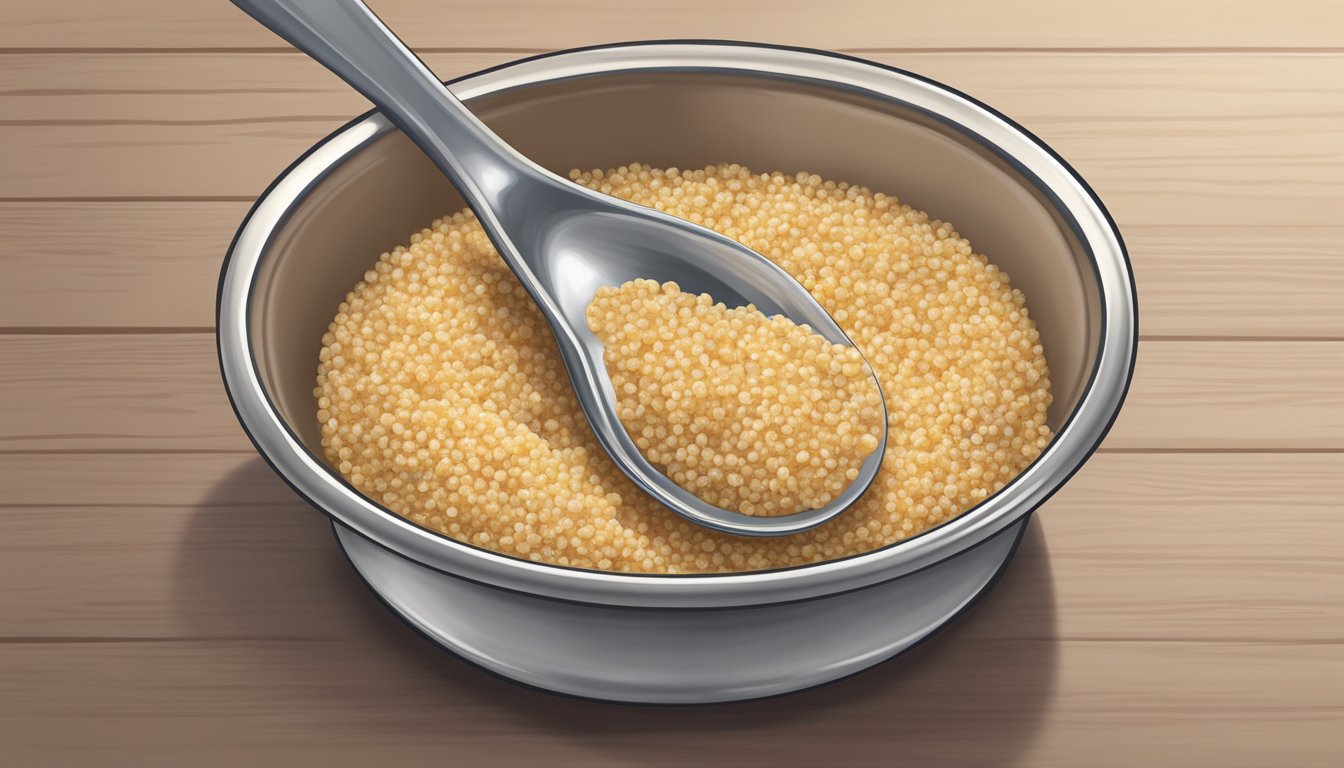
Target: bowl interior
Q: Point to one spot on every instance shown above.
(387, 190)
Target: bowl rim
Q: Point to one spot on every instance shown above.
(1075, 441)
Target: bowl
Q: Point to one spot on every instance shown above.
(682, 638)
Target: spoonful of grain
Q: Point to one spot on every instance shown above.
(750, 413)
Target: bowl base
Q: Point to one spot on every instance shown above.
(679, 656)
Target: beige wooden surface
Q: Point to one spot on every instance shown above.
(165, 600)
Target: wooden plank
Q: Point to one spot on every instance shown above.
(114, 392)
(1283, 395)
(1167, 140)
(1239, 281)
(163, 392)
(119, 264)
(384, 691)
(1135, 547)
(96, 265)
(846, 23)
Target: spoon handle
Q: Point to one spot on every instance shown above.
(348, 39)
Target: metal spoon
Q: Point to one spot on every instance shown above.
(563, 241)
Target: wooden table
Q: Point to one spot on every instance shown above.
(165, 600)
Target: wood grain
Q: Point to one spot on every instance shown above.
(1217, 140)
(843, 24)
(1283, 395)
(381, 691)
(90, 265)
(1123, 541)
(163, 392)
(1256, 280)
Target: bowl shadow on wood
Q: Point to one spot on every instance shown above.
(271, 575)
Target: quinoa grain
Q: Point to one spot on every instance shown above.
(440, 394)
(750, 413)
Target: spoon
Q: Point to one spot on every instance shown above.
(563, 241)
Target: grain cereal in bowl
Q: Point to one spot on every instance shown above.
(441, 395)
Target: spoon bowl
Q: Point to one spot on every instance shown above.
(614, 242)
(563, 241)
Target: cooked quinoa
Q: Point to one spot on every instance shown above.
(441, 396)
(750, 413)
